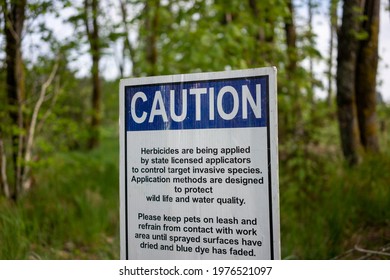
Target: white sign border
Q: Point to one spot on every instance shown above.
(272, 130)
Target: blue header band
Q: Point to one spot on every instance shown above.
(228, 103)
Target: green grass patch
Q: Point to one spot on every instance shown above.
(71, 213)
(334, 208)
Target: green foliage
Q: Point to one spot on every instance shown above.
(62, 121)
(327, 208)
(72, 210)
(207, 36)
(71, 214)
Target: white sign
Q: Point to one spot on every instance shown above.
(198, 166)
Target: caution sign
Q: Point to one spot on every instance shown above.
(198, 166)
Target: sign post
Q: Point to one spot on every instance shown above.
(199, 167)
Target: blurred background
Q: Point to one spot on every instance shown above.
(61, 62)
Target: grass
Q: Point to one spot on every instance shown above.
(336, 209)
(73, 213)
(327, 209)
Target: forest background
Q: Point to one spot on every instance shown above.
(59, 115)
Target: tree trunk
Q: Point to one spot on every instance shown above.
(30, 137)
(151, 25)
(127, 44)
(310, 90)
(264, 40)
(366, 69)
(346, 65)
(260, 36)
(291, 39)
(3, 170)
(14, 16)
(296, 119)
(333, 33)
(92, 27)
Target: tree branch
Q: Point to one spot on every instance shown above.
(86, 19)
(34, 118)
(357, 248)
(8, 21)
(50, 109)
(3, 170)
(127, 43)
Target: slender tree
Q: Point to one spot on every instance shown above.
(366, 70)
(346, 65)
(263, 19)
(151, 25)
(14, 18)
(127, 45)
(3, 170)
(291, 39)
(91, 10)
(296, 120)
(333, 33)
(311, 5)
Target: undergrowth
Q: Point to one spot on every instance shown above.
(333, 208)
(71, 213)
(326, 208)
